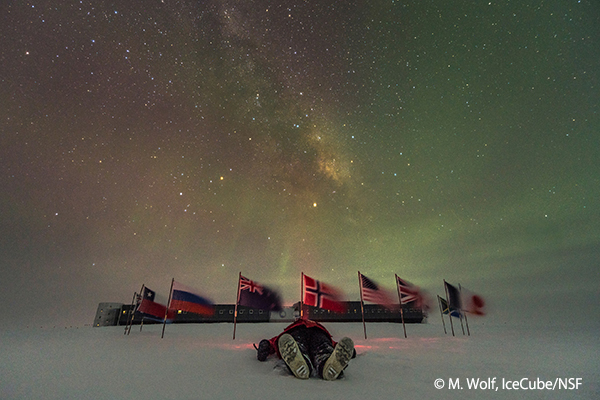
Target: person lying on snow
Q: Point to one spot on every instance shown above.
(308, 349)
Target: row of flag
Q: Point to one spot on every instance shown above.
(460, 301)
(182, 298)
(315, 293)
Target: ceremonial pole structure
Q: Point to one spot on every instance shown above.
(167, 309)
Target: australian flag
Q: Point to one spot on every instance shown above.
(254, 295)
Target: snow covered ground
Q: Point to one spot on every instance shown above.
(201, 361)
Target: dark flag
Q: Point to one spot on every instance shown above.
(254, 295)
(453, 297)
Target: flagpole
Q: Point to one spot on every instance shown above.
(460, 316)
(129, 313)
(130, 320)
(362, 308)
(460, 312)
(442, 313)
(401, 308)
(167, 309)
(133, 314)
(466, 320)
(302, 296)
(449, 307)
(235, 313)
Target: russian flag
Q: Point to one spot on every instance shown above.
(183, 298)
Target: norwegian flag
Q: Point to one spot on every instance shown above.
(254, 295)
(409, 293)
(321, 295)
(373, 293)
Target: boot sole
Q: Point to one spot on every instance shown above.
(290, 353)
(339, 359)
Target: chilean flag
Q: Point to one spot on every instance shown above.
(183, 298)
(151, 308)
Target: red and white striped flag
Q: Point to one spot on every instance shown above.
(373, 293)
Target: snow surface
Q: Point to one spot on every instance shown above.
(201, 361)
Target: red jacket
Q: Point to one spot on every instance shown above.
(300, 322)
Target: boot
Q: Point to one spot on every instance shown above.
(293, 357)
(264, 350)
(338, 360)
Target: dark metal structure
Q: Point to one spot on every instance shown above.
(111, 314)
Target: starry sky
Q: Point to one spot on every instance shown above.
(146, 140)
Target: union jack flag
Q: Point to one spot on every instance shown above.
(409, 293)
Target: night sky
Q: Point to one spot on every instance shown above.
(146, 140)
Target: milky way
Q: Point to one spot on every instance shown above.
(148, 140)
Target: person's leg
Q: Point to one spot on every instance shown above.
(329, 362)
(293, 347)
(339, 359)
(320, 347)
